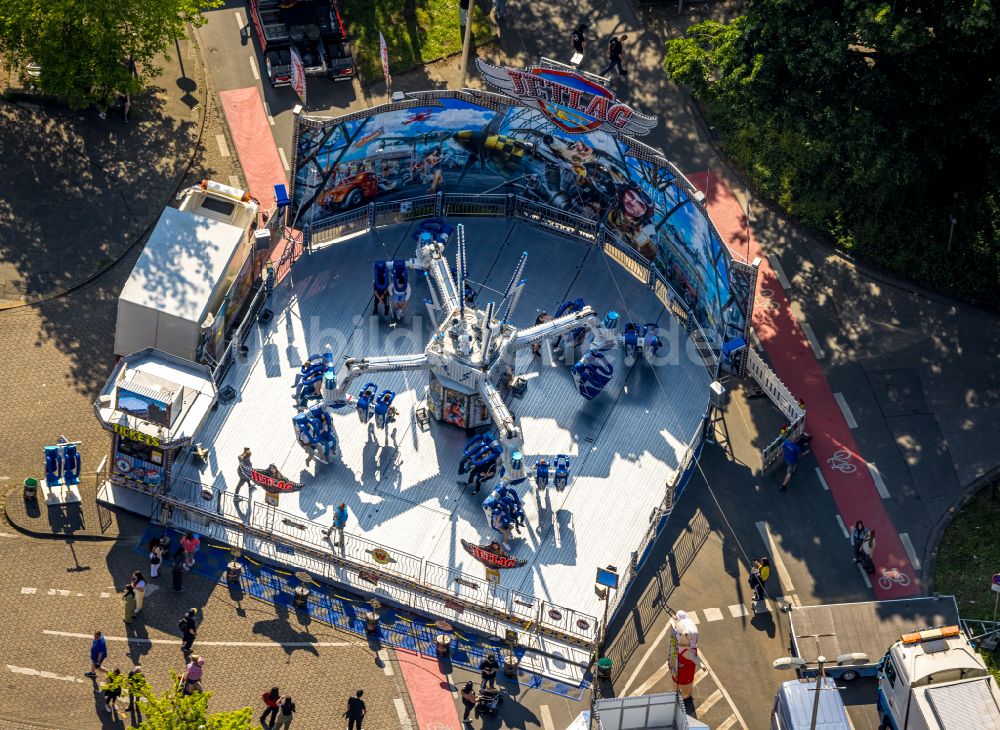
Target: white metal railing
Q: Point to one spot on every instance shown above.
(782, 398)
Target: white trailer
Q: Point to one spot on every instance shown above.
(935, 680)
(195, 267)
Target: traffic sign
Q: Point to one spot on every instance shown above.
(996, 579)
(996, 587)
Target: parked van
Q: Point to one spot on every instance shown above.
(793, 706)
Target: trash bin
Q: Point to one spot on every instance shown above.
(442, 645)
(371, 622)
(300, 596)
(234, 570)
(30, 488)
(510, 663)
(604, 668)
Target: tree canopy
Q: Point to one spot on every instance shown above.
(174, 710)
(88, 51)
(875, 122)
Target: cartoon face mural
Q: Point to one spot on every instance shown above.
(452, 144)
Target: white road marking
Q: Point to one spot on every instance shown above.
(698, 676)
(864, 575)
(6, 534)
(822, 481)
(883, 491)
(105, 595)
(738, 609)
(44, 675)
(693, 615)
(220, 139)
(712, 614)
(284, 160)
(234, 181)
(845, 409)
(267, 111)
(715, 678)
(910, 552)
(779, 272)
(28, 591)
(546, 717)
(813, 342)
(776, 561)
(383, 656)
(253, 68)
(727, 723)
(642, 662)
(263, 644)
(239, 20)
(404, 719)
(651, 682)
(843, 527)
(703, 707)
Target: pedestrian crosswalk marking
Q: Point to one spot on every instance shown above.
(404, 719)
(738, 610)
(712, 614)
(728, 723)
(703, 707)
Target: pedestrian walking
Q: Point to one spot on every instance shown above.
(792, 452)
(190, 544)
(112, 691)
(155, 557)
(339, 521)
(177, 570)
(271, 700)
(488, 669)
(134, 682)
(189, 629)
(857, 538)
(191, 679)
(286, 708)
(139, 586)
(616, 50)
(355, 710)
(244, 469)
(759, 574)
(868, 552)
(98, 653)
(578, 38)
(469, 698)
(128, 598)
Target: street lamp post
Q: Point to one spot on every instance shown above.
(466, 42)
(798, 662)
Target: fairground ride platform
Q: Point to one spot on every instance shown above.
(401, 486)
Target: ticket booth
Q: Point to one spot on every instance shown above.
(152, 404)
(451, 402)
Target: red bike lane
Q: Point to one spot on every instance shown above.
(788, 350)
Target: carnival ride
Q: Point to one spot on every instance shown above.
(476, 348)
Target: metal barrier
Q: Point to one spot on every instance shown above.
(631, 260)
(401, 211)
(238, 336)
(779, 394)
(556, 220)
(354, 221)
(493, 206)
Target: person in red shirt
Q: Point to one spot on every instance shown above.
(271, 713)
(190, 544)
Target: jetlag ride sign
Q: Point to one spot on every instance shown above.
(569, 100)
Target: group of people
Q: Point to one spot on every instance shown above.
(616, 49)
(863, 542)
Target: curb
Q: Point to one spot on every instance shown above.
(28, 532)
(937, 532)
(144, 230)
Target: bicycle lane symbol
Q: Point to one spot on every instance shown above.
(765, 300)
(842, 461)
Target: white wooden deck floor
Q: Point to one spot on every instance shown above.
(400, 487)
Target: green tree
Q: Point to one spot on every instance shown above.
(876, 122)
(90, 50)
(174, 710)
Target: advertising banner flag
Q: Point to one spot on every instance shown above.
(383, 52)
(298, 75)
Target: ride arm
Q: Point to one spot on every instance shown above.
(508, 433)
(555, 327)
(352, 369)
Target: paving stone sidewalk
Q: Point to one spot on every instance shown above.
(80, 190)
